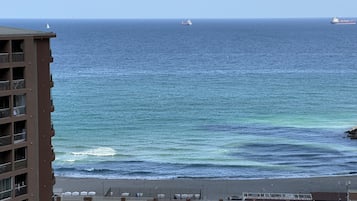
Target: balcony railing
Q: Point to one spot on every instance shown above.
(18, 57)
(4, 85)
(53, 178)
(5, 194)
(18, 84)
(4, 112)
(19, 137)
(53, 157)
(52, 106)
(20, 164)
(4, 57)
(20, 189)
(53, 132)
(19, 110)
(5, 140)
(5, 167)
(51, 81)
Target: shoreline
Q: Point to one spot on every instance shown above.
(209, 189)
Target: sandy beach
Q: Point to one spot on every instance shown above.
(209, 189)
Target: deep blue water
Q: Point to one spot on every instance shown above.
(218, 99)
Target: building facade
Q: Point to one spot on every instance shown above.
(26, 152)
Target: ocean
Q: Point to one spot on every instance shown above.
(226, 99)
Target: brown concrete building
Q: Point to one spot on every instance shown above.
(26, 152)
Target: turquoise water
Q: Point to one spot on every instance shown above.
(219, 99)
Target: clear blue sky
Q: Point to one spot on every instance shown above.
(44, 9)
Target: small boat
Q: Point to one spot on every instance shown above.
(336, 20)
(186, 22)
(48, 26)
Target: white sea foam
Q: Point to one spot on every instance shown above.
(99, 151)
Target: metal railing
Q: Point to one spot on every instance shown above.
(20, 189)
(5, 167)
(5, 140)
(4, 85)
(19, 110)
(5, 194)
(18, 56)
(20, 164)
(18, 84)
(4, 112)
(19, 137)
(276, 196)
(4, 57)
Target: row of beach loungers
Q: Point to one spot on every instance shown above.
(76, 193)
(178, 196)
(153, 194)
(196, 196)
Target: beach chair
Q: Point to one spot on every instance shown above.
(177, 196)
(161, 196)
(84, 193)
(92, 193)
(75, 193)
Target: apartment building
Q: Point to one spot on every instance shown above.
(26, 129)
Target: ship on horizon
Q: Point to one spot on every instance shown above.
(186, 22)
(336, 20)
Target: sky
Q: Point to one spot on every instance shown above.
(176, 9)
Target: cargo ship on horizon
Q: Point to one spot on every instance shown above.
(336, 20)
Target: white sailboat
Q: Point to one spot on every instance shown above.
(48, 26)
(186, 22)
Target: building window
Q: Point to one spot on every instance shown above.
(4, 106)
(19, 105)
(5, 162)
(18, 78)
(4, 51)
(5, 137)
(5, 188)
(4, 79)
(20, 158)
(18, 51)
(21, 184)
(19, 131)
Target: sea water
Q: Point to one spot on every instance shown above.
(262, 98)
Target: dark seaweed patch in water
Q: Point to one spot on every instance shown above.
(221, 128)
(284, 153)
(267, 130)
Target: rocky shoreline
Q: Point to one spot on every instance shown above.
(352, 133)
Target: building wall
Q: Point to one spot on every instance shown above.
(44, 120)
(32, 179)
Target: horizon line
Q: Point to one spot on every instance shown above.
(243, 18)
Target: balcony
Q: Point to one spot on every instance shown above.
(18, 84)
(20, 137)
(5, 195)
(51, 82)
(5, 167)
(4, 57)
(18, 57)
(52, 106)
(5, 140)
(19, 110)
(20, 189)
(53, 155)
(4, 112)
(4, 85)
(20, 164)
(53, 132)
(53, 178)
